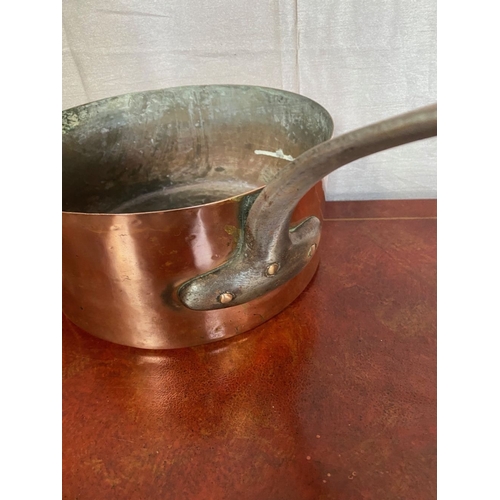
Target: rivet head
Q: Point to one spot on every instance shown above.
(312, 250)
(225, 297)
(272, 269)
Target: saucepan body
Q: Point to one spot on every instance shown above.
(156, 189)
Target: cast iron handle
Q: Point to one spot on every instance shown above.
(271, 253)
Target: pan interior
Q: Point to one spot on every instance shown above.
(182, 147)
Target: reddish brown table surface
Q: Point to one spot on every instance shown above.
(335, 398)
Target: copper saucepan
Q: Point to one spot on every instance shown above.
(193, 214)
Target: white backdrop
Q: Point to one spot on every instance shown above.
(364, 60)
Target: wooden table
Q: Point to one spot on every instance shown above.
(335, 398)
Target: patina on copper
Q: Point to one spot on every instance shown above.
(166, 240)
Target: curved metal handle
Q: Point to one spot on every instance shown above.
(270, 253)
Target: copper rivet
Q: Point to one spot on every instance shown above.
(312, 249)
(272, 269)
(225, 297)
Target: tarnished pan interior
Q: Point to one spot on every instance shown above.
(182, 147)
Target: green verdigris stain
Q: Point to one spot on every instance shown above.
(69, 122)
(71, 118)
(233, 231)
